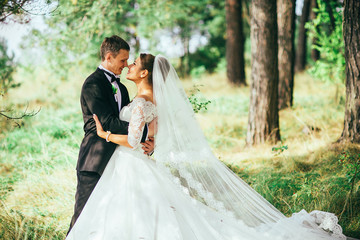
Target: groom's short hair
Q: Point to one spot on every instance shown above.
(113, 45)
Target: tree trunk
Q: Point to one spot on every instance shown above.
(331, 15)
(263, 123)
(315, 54)
(286, 53)
(185, 39)
(300, 61)
(235, 43)
(351, 34)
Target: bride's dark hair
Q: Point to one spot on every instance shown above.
(147, 62)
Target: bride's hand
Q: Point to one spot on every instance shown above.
(99, 129)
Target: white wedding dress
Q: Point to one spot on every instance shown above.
(173, 198)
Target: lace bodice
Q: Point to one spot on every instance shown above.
(137, 113)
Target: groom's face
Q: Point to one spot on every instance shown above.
(118, 63)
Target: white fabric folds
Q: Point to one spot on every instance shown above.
(186, 193)
(184, 154)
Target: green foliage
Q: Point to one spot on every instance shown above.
(17, 226)
(78, 28)
(11, 7)
(183, 19)
(291, 189)
(208, 56)
(279, 150)
(169, 15)
(7, 69)
(331, 65)
(21, 10)
(198, 103)
(351, 162)
(197, 72)
(37, 168)
(214, 24)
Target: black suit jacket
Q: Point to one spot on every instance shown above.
(97, 98)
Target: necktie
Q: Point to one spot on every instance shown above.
(123, 89)
(113, 78)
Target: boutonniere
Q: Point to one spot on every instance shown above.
(114, 89)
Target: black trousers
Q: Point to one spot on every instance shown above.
(86, 182)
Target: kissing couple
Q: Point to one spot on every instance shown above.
(182, 191)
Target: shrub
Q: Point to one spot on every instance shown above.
(7, 69)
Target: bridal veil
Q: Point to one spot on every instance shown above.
(182, 152)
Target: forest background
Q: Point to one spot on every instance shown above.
(272, 91)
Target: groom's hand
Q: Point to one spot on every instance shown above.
(148, 146)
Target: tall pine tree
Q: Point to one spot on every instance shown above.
(351, 33)
(235, 42)
(286, 53)
(263, 123)
(300, 60)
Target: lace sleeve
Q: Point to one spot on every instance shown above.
(136, 124)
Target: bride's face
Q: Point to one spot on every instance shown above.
(135, 71)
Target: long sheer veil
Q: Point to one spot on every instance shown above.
(182, 151)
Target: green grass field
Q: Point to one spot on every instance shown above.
(37, 161)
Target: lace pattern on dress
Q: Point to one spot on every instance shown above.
(328, 222)
(193, 185)
(142, 112)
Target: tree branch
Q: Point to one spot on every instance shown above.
(18, 9)
(23, 115)
(37, 14)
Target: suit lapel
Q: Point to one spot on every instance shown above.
(109, 91)
(124, 94)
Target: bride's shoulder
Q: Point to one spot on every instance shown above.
(145, 105)
(143, 99)
(143, 102)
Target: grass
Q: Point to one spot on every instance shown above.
(37, 161)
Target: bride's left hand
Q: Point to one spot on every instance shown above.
(99, 129)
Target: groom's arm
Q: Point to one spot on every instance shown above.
(96, 102)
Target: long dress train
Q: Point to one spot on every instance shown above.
(136, 199)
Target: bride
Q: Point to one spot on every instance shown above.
(183, 191)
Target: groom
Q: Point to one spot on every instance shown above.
(104, 95)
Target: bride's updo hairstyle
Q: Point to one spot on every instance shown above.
(147, 62)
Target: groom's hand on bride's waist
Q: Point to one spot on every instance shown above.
(148, 146)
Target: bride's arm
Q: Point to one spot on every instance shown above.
(135, 130)
(152, 127)
(115, 138)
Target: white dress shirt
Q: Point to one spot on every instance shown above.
(117, 96)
